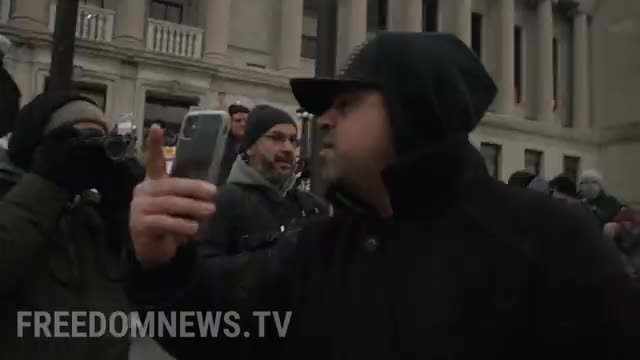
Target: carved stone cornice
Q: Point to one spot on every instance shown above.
(133, 55)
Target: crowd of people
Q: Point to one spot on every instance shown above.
(620, 223)
(413, 252)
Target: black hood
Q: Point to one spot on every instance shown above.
(435, 87)
(436, 91)
(31, 122)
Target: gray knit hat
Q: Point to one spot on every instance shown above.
(592, 175)
(77, 111)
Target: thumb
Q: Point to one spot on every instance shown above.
(155, 164)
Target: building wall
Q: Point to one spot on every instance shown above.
(616, 55)
(564, 35)
(254, 33)
(615, 34)
(248, 73)
(514, 143)
(619, 164)
(526, 19)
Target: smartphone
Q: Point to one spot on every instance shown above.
(201, 145)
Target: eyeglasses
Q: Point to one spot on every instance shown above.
(281, 138)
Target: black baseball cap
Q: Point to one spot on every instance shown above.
(432, 76)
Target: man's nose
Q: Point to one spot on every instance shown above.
(288, 146)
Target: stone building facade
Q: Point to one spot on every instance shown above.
(565, 69)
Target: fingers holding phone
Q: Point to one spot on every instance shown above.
(165, 211)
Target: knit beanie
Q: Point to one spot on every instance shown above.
(261, 119)
(34, 118)
(238, 108)
(591, 175)
(74, 112)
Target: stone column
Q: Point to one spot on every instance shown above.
(31, 14)
(458, 19)
(406, 15)
(544, 91)
(130, 22)
(505, 71)
(352, 27)
(23, 73)
(580, 72)
(125, 91)
(290, 35)
(217, 29)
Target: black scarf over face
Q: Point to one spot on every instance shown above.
(31, 122)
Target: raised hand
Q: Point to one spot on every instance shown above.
(165, 211)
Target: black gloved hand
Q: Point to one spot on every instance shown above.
(116, 187)
(67, 158)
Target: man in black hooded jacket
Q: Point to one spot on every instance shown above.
(427, 256)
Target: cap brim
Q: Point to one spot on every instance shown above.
(316, 95)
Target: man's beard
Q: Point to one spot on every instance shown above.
(329, 166)
(271, 174)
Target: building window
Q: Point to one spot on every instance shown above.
(476, 33)
(310, 30)
(167, 11)
(309, 47)
(492, 154)
(94, 3)
(518, 65)
(430, 15)
(168, 111)
(533, 161)
(555, 73)
(571, 166)
(377, 15)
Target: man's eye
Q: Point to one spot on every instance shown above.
(342, 104)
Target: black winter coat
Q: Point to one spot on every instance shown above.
(467, 268)
(58, 256)
(475, 270)
(478, 270)
(241, 256)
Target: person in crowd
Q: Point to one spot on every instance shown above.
(624, 231)
(526, 180)
(9, 98)
(239, 115)
(303, 174)
(426, 256)
(562, 187)
(239, 244)
(63, 248)
(593, 193)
